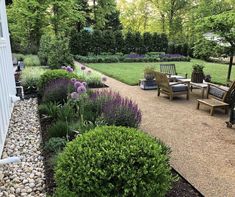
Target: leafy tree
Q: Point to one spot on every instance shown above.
(101, 10)
(63, 15)
(222, 31)
(113, 21)
(85, 9)
(26, 20)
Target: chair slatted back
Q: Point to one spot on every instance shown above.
(220, 93)
(162, 80)
(228, 93)
(168, 69)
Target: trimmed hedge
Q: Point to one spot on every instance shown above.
(114, 161)
(149, 57)
(56, 74)
(83, 43)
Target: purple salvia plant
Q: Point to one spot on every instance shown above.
(117, 110)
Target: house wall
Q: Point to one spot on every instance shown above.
(7, 81)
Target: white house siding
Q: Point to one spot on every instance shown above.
(7, 81)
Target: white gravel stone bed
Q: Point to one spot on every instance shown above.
(24, 137)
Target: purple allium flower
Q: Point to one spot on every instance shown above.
(74, 95)
(73, 80)
(81, 89)
(84, 84)
(69, 69)
(104, 79)
(77, 84)
(83, 67)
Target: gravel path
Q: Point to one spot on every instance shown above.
(203, 149)
(24, 137)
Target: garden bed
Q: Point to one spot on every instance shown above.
(180, 188)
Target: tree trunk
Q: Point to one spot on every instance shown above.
(230, 67)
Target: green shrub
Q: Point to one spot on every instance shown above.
(55, 144)
(31, 60)
(59, 129)
(44, 49)
(49, 110)
(59, 54)
(19, 56)
(61, 192)
(56, 74)
(114, 161)
(30, 77)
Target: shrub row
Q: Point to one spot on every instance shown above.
(84, 42)
(138, 58)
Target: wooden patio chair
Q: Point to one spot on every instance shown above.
(171, 88)
(169, 69)
(217, 97)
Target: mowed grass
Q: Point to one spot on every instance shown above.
(130, 73)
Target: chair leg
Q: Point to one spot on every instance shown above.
(198, 104)
(212, 111)
(158, 92)
(187, 96)
(226, 110)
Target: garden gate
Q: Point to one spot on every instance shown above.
(7, 81)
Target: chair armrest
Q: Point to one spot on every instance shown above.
(179, 82)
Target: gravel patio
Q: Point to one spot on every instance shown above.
(202, 147)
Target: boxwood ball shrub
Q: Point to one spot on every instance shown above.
(114, 161)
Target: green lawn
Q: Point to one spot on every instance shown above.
(130, 73)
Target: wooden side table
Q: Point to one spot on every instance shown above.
(202, 86)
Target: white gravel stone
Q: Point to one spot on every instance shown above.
(24, 137)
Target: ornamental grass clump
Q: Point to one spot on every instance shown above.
(114, 161)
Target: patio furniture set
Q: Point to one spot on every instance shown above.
(170, 83)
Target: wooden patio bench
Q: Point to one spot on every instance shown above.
(217, 97)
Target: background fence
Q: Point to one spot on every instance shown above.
(7, 81)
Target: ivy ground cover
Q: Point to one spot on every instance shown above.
(130, 73)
